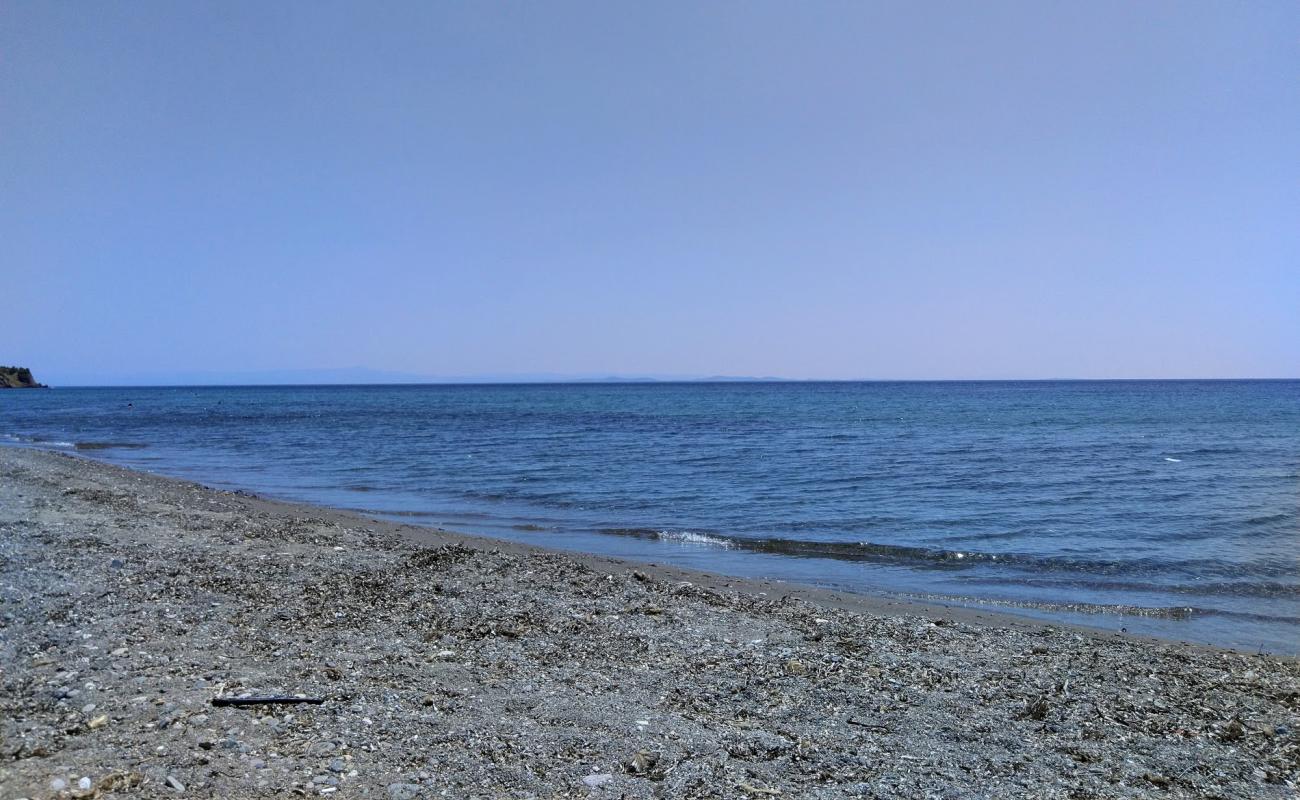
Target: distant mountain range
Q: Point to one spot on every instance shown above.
(363, 375)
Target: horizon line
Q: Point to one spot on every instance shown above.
(633, 381)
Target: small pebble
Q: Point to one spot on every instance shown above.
(403, 791)
(599, 779)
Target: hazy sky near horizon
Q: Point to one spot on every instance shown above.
(808, 190)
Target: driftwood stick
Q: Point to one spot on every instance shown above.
(265, 701)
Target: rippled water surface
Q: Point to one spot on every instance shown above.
(1170, 507)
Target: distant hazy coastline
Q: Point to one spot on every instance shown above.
(352, 376)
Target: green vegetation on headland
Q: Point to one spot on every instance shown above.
(18, 378)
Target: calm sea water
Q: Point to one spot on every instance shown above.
(1166, 507)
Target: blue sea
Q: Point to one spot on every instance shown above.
(1165, 507)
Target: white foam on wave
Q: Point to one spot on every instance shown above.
(27, 440)
(1174, 460)
(690, 537)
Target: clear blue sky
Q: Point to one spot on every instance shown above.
(825, 190)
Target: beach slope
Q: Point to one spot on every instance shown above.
(456, 667)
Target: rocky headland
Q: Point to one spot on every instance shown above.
(18, 378)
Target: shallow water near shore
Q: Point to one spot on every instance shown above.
(1163, 507)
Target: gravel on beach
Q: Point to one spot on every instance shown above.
(458, 667)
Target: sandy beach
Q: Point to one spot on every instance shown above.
(451, 666)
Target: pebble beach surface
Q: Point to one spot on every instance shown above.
(451, 666)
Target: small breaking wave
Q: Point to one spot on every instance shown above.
(40, 441)
(927, 558)
(691, 537)
(680, 537)
(848, 551)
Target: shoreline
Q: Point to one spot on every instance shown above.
(482, 667)
(973, 609)
(970, 610)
